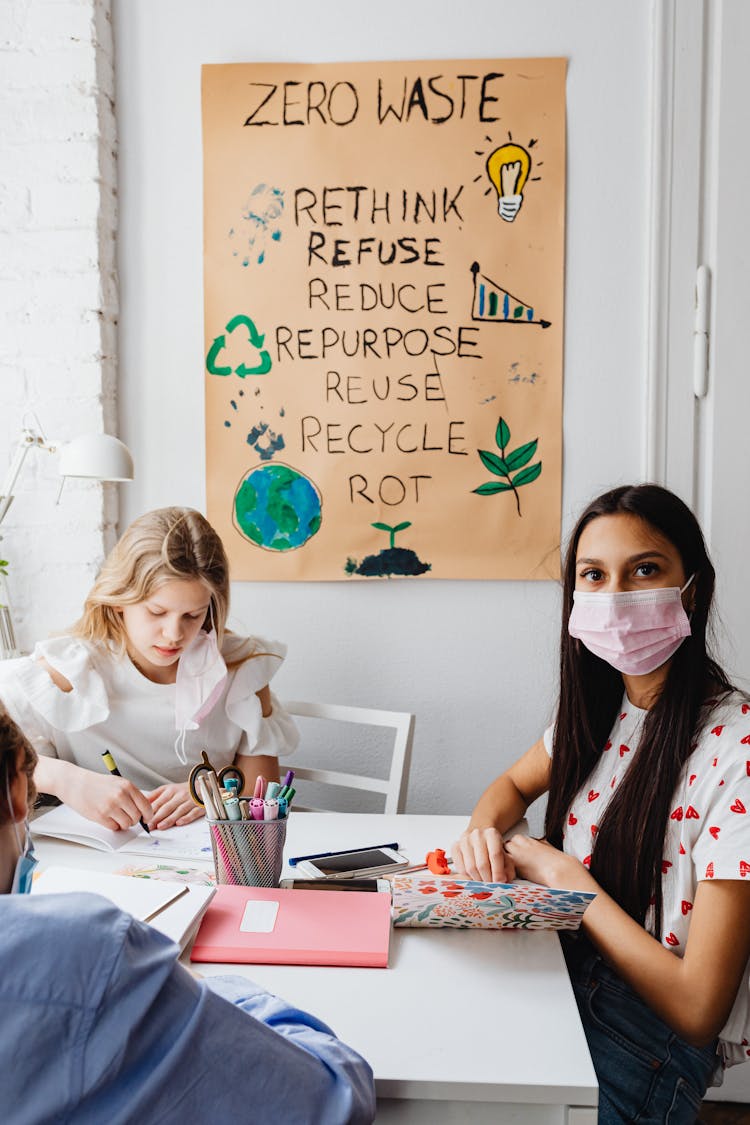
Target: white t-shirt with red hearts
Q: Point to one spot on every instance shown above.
(708, 834)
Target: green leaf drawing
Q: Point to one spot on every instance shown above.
(494, 463)
(521, 455)
(492, 487)
(526, 476)
(506, 465)
(392, 530)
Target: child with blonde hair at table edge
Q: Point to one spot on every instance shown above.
(100, 1023)
(647, 767)
(151, 674)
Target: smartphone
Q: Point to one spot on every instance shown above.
(340, 885)
(364, 863)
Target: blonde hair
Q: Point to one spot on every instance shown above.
(158, 547)
(16, 756)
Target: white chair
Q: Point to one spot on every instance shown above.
(394, 786)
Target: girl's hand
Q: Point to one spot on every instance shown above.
(480, 854)
(112, 801)
(541, 863)
(172, 805)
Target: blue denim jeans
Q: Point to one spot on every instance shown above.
(646, 1073)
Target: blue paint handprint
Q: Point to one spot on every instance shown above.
(260, 224)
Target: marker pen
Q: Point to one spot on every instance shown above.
(111, 765)
(232, 808)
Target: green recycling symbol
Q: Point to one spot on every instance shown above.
(254, 337)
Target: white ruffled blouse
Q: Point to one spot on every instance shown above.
(115, 707)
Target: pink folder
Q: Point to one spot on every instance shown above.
(265, 926)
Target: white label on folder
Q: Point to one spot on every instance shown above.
(259, 917)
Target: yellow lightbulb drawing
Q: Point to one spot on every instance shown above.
(508, 168)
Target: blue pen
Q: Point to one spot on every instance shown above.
(324, 855)
(283, 808)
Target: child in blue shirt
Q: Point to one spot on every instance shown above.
(100, 1022)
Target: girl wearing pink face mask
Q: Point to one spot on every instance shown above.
(151, 674)
(647, 771)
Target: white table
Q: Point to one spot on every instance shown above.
(464, 1026)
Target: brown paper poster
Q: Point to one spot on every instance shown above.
(384, 317)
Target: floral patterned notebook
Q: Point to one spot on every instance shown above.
(419, 900)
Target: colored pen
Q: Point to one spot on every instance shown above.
(213, 787)
(324, 855)
(260, 786)
(288, 779)
(203, 791)
(232, 808)
(256, 808)
(273, 790)
(270, 809)
(111, 765)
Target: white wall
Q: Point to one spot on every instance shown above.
(58, 298)
(474, 660)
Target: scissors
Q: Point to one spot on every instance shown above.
(205, 767)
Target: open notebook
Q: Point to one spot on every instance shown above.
(173, 908)
(191, 841)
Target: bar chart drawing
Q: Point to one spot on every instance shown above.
(494, 305)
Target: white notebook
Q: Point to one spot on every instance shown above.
(190, 841)
(173, 908)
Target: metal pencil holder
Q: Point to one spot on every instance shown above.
(248, 853)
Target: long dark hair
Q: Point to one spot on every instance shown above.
(626, 856)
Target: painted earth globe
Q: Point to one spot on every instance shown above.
(277, 507)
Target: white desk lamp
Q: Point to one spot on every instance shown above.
(95, 456)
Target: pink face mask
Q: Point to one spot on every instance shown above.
(201, 677)
(636, 631)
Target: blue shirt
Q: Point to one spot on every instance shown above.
(100, 1023)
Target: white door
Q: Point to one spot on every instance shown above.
(725, 439)
(700, 444)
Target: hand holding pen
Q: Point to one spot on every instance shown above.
(118, 804)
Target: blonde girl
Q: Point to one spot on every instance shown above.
(151, 674)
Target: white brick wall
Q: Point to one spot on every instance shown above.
(58, 293)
